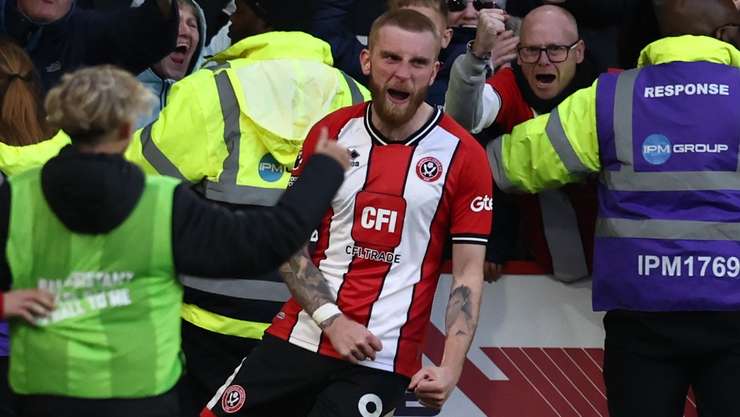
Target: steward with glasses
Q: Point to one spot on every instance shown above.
(550, 66)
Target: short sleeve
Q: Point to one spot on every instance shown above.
(472, 198)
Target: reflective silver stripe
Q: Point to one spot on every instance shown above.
(667, 229)
(562, 145)
(155, 157)
(240, 194)
(246, 289)
(495, 150)
(562, 236)
(671, 181)
(226, 189)
(354, 90)
(623, 100)
(230, 111)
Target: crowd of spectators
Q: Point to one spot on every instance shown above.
(502, 62)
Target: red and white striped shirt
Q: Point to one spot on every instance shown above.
(380, 245)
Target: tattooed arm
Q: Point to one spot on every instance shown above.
(353, 341)
(432, 384)
(305, 282)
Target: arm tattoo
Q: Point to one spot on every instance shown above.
(460, 306)
(306, 283)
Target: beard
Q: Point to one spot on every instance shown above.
(391, 114)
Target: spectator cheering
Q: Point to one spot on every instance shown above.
(550, 66)
(61, 37)
(186, 58)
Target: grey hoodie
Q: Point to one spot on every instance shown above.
(161, 87)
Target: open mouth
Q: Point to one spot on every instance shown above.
(179, 55)
(398, 95)
(545, 78)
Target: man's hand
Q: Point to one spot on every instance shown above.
(27, 304)
(433, 385)
(331, 149)
(504, 49)
(353, 341)
(490, 24)
(492, 271)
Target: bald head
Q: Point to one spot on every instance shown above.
(695, 17)
(554, 17)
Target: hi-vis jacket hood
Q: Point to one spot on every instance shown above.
(283, 101)
(689, 48)
(236, 126)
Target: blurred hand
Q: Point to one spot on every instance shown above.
(504, 48)
(353, 341)
(492, 271)
(331, 149)
(490, 24)
(433, 385)
(27, 304)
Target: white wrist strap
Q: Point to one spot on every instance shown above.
(325, 312)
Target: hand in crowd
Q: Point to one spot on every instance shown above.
(331, 149)
(353, 341)
(433, 385)
(492, 271)
(27, 304)
(504, 48)
(490, 24)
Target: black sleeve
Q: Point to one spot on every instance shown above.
(505, 230)
(133, 38)
(5, 278)
(212, 241)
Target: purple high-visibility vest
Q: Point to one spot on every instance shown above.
(3, 338)
(668, 233)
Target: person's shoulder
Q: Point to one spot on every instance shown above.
(468, 146)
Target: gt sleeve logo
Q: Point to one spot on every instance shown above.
(481, 203)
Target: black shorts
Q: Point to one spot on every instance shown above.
(280, 379)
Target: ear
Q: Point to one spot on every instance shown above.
(580, 51)
(125, 130)
(365, 61)
(729, 34)
(435, 71)
(446, 37)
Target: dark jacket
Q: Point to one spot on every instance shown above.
(94, 193)
(131, 38)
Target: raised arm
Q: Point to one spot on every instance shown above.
(551, 150)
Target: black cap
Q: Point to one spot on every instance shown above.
(281, 14)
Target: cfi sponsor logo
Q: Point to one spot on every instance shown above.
(270, 169)
(233, 399)
(429, 169)
(481, 203)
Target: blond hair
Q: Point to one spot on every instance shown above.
(93, 101)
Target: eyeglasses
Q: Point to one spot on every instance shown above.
(555, 53)
(460, 5)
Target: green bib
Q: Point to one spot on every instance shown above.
(115, 331)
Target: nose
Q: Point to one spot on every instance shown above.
(543, 59)
(403, 71)
(470, 11)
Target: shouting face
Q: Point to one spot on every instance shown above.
(549, 50)
(175, 65)
(401, 65)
